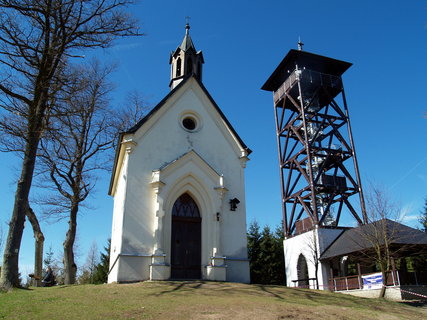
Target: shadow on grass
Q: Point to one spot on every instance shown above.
(181, 285)
(416, 304)
(266, 289)
(63, 286)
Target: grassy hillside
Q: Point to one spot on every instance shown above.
(195, 300)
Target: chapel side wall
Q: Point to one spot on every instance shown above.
(135, 240)
(139, 218)
(234, 222)
(117, 225)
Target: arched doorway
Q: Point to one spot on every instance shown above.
(302, 271)
(186, 239)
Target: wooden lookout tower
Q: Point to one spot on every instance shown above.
(318, 164)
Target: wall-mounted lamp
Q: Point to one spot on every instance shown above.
(233, 204)
(217, 216)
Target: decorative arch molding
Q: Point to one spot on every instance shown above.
(190, 174)
(191, 185)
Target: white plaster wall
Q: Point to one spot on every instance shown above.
(293, 247)
(305, 244)
(162, 140)
(134, 268)
(238, 271)
(392, 293)
(117, 225)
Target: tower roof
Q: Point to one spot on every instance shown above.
(307, 60)
(187, 43)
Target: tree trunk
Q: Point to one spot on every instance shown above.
(316, 271)
(383, 288)
(39, 242)
(70, 268)
(9, 271)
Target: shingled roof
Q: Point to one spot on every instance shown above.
(360, 238)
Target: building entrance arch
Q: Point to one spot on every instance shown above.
(302, 271)
(186, 239)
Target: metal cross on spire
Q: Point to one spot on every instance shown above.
(300, 44)
(187, 23)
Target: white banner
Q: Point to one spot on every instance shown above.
(372, 281)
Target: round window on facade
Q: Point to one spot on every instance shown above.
(189, 123)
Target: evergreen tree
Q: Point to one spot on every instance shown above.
(48, 260)
(254, 250)
(279, 256)
(423, 217)
(265, 251)
(101, 271)
(267, 256)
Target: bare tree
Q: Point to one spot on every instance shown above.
(134, 108)
(1, 236)
(311, 242)
(92, 261)
(36, 38)
(38, 246)
(72, 150)
(377, 239)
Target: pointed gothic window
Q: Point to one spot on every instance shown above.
(199, 71)
(185, 207)
(189, 66)
(178, 67)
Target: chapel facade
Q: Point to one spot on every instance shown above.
(178, 186)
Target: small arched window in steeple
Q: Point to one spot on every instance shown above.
(199, 71)
(178, 67)
(189, 66)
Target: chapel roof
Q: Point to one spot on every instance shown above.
(160, 105)
(171, 93)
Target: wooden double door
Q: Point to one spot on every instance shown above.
(186, 239)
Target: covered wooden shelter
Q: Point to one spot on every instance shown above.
(355, 253)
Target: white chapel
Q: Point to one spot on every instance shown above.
(179, 187)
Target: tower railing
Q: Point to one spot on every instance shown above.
(306, 75)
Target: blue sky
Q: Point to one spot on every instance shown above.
(242, 43)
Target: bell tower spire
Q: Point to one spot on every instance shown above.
(185, 61)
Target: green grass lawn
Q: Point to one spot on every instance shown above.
(195, 300)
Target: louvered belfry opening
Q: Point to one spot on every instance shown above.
(186, 239)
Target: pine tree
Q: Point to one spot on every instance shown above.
(101, 271)
(254, 250)
(279, 257)
(423, 217)
(265, 251)
(48, 260)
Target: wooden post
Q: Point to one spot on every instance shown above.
(359, 275)
(331, 275)
(393, 271)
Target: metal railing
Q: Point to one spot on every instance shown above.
(306, 75)
(356, 282)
